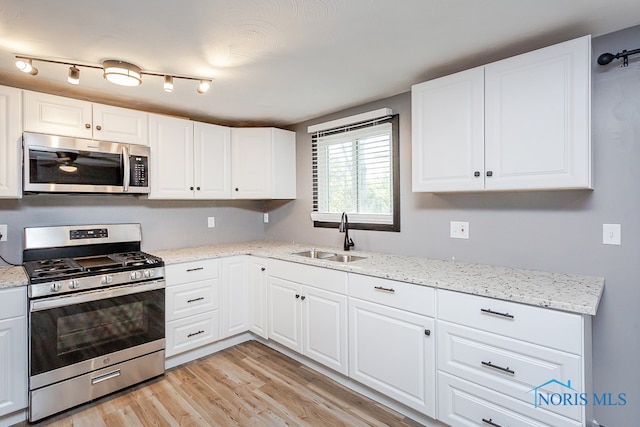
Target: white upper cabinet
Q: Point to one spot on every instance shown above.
(10, 143)
(190, 160)
(57, 115)
(522, 123)
(263, 163)
(212, 161)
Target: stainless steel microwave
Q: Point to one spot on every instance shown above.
(57, 164)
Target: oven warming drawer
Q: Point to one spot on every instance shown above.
(75, 391)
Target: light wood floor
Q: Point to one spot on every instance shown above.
(246, 385)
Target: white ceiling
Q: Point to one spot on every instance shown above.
(282, 62)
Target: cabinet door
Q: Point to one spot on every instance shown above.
(258, 309)
(392, 351)
(57, 115)
(234, 307)
(448, 133)
(538, 119)
(212, 161)
(324, 320)
(285, 313)
(120, 125)
(10, 142)
(171, 141)
(251, 163)
(13, 350)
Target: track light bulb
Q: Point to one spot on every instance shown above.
(25, 66)
(204, 86)
(168, 84)
(74, 75)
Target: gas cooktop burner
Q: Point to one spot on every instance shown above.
(55, 267)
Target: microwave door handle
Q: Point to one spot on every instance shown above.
(127, 169)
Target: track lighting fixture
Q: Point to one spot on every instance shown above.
(24, 65)
(168, 84)
(606, 58)
(74, 75)
(115, 71)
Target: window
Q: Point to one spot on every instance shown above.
(355, 170)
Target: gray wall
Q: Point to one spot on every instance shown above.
(552, 231)
(165, 224)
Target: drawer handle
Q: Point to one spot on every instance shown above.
(195, 299)
(189, 270)
(490, 422)
(497, 313)
(500, 368)
(193, 334)
(380, 288)
(105, 377)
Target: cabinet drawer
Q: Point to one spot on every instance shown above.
(508, 366)
(323, 278)
(192, 298)
(550, 328)
(192, 271)
(464, 404)
(13, 302)
(405, 296)
(192, 332)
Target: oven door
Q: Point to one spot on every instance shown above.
(74, 334)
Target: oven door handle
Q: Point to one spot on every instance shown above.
(100, 294)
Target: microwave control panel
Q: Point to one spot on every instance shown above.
(139, 174)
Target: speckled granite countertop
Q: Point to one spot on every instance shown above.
(11, 277)
(577, 294)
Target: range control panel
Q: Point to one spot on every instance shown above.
(95, 233)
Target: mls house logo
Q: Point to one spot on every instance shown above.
(571, 397)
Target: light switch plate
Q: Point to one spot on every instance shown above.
(266, 217)
(459, 230)
(211, 222)
(611, 234)
(3, 231)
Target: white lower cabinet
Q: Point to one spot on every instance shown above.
(192, 305)
(306, 313)
(258, 309)
(234, 307)
(504, 362)
(392, 350)
(13, 350)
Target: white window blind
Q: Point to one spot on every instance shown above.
(353, 173)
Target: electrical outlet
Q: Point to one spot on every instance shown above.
(611, 234)
(459, 230)
(211, 222)
(3, 232)
(266, 217)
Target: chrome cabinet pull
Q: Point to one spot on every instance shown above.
(380, 288)
(500, 368)
(195, 299)
(490, 422)
(497, 313)
(189, 270)
(105, 377)
(193, 334)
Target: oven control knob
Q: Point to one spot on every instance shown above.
(136, 275)
(55, 287)
(148, 273)
(106, 279)
(74, 284)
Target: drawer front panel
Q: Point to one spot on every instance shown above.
(323, 278)
(13, 302)
(192, 298)
(464, 404)
(550, 328)
(509, 366)
(192, 271)
(405, 296)
(192, 332)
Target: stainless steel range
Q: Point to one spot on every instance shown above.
(96, 314)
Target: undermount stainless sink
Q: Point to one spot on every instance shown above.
(329, 256)
(316, 254)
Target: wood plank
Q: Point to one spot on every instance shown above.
(246, 385)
